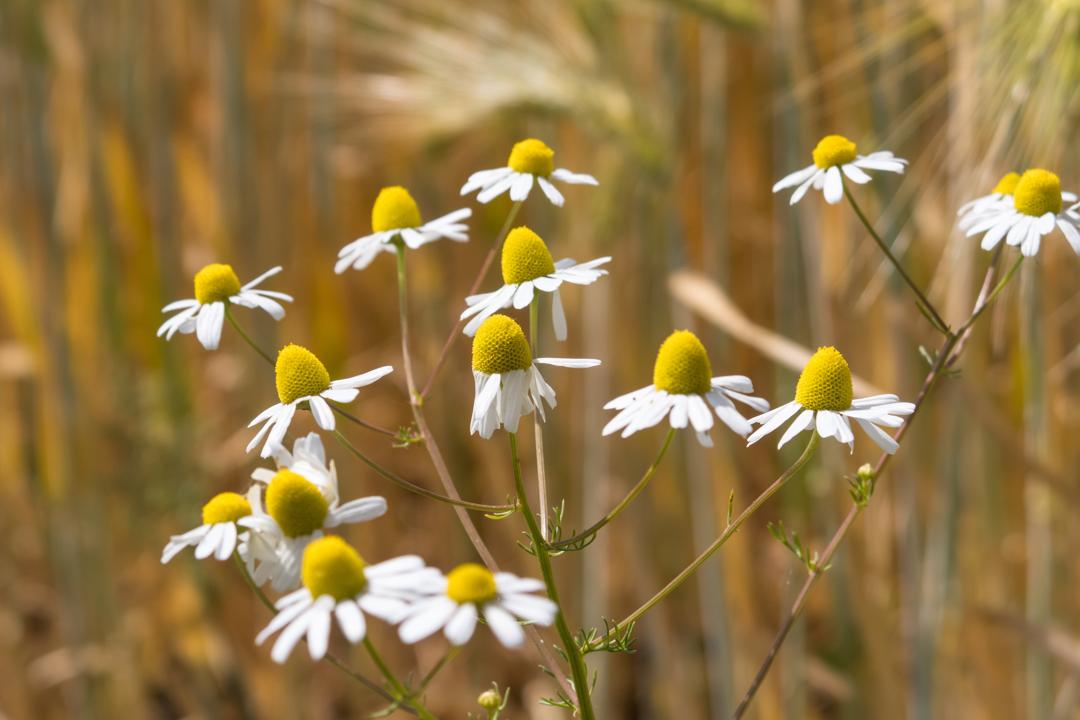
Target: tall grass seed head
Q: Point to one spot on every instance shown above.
(1038, 192)
(532, 156)
(225, 507)
(332, 567)
(682, 365)
(298, 373)
(833, 150)
(525, 257)
(500, 346)
(216, 282)
(825, 382)
(394, 209)
(298, 506)
(471, 583)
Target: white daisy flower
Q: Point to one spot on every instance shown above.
(835, 159)
(395, 214)
(217, 286)
(1037, 208)
(469, 592)
(301, 379)
(218, 535)
(339, 585)
(508, 384)
(683, 389)
(527, 266)
(972, 211)
(824, 395)
(531, 161)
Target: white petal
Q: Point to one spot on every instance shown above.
(573, 178)
(357, 511)
(854, 174)
(324, 416)
(795, 178)
(503, 624)
(551, 192)
(351, 621)
(801, 423)
(427, 620)
(461, 625)
(834, 186)
(568, 362)
(776, 418)
(364, 379)
(209, 323)
(558, 317)
(522, 185)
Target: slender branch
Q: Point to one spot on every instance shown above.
(538, 427)
(397, 685)
(446, 660)
(363, 423)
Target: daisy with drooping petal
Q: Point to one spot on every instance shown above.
(531, 161)
(509, 386)
(834, 160)
(395, 214)
(683, 390)
(1037, 208)
(216, 286)
(218, 535)
(971, 211)
(301, 378)
(339, 585)
(527, 266)
(472, 591)
(824, 395)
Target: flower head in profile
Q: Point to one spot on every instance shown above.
(683, 391)
(508, 383)
(824, 401)
(1038, 207)
(527, 267)
(531, 162)
(339, 586)
(217, 287)
(396, 215)
(835, 159)
(302, 380)
(218, 535)
(455, 602)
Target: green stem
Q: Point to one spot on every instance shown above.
(446, 660)
(397, 685)
(538, 427)
(240, 331)
(578, 669)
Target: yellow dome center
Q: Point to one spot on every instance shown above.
(471, 583)
(298, 373)
(525, 257)
(216, 283)
(500, 346)
(833, 150)
(825, 383)
(394, 209)
(682, 365)
(297, 505)
(532, 156)
(1038, 192)
(225, 507)
(331, 567)
(1007, 184)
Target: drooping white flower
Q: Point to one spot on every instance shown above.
(218, 535)
(1002, 195)
(531, 162)
(1038, 207)
(835, 159)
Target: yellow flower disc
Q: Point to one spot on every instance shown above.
(1007, 184)
(833, 150)
(216, 283)
(500, 346)
(298, 373)
(532, 156)
(471, 583)
(297, 505)
(225, 507)
(682, 365)
(394, 209)
(1037, 193)
(331, 567)
(825, 383)
(525, 257)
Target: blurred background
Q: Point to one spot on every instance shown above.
(142, 139)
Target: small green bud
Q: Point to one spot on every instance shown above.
(866, 473)
(490, 700)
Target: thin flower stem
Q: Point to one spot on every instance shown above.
(446, 660)
(538, 427)
(935, 317)
(573, 654)
(623, 504)
(397, 685)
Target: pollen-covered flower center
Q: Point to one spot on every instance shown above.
(825, 383)
(525, 257)
(216, 283)
(298, 373)
(682, 365)
(471, 583)
(1007, 184)
(1038, 192)
(297, 505)
(225, 507)
(394, 209)
(833, 150)
(532, 156)
(331, 567)
(500, 346)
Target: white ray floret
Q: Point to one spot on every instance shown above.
(531, 162)
(219, 535)
(834, 160)
(1037, 208)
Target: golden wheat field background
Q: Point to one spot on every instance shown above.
(143, 139)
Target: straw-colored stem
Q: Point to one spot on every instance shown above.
(538, 427)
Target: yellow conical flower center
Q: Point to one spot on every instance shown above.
(225, 507)
(471, 583)
(216, 283)
(298, 506)
(825, 383)
(500, 346)
(532, 156)
(331, 567)
(394, 209)
(833, 150)
(525, 257)
(1007, 184)
(298, 373)
(1038, 192)
(682, 365)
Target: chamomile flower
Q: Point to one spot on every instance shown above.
(683, 390)
(835, 159)
(531, 161)
(301, 379)
(395, 214)
(339, 585)
(216, 286)
(1037, 207)
(508, 383)
(824, 397)
(218, 535)
(471, 591)
(971, 211)
(527, 266)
